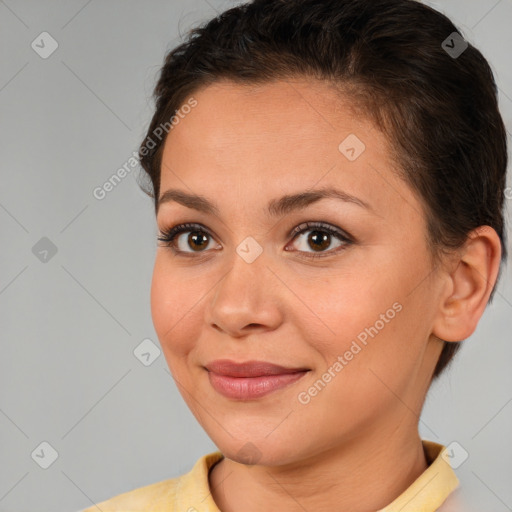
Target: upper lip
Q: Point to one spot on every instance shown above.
(249, 368)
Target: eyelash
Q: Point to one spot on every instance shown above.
(169, 236)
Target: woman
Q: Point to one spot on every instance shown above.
(328, 179)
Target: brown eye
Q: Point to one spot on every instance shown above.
(321, 237)
(196, 241)
(319, 240)
(318, 243)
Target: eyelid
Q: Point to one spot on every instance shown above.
(169, 236)
(309, 225)
(334, 231)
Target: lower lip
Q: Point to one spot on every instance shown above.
(249, 388)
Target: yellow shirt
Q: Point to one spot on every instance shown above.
(191, 492)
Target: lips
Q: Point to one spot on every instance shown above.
(249, 368)
(252, 379)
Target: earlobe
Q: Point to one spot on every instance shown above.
(469, 285)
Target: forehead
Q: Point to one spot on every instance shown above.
(282, 111)
(277, 138)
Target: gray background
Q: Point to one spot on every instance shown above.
(70, 324)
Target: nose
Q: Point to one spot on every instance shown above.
(248, 297)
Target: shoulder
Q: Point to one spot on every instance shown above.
(167, 495)
(141, 498)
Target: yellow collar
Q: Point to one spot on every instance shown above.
(425, 494)
(431, 488)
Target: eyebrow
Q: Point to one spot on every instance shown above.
(275, 207)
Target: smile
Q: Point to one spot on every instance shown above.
(252, 379)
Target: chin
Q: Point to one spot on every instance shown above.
(260, 450)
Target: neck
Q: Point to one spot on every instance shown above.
(364, 475)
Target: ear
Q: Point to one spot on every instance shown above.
(468, 285)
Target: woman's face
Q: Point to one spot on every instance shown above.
(357, 318)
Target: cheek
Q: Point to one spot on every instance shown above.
(175, 307)
(350, 304)
(365, 366)
(374, 323)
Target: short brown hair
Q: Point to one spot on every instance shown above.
(439, 110)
